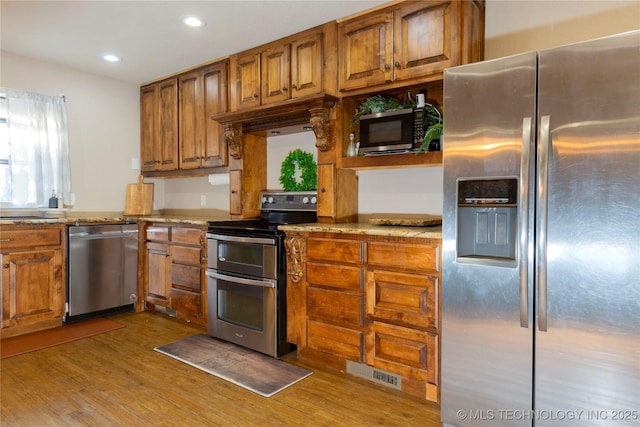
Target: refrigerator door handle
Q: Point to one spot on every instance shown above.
(541, 222)
(523, 226)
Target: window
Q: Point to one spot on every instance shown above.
(34, 154)
(4, 151)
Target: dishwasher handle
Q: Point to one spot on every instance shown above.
(103, 234)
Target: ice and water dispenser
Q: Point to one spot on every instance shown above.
(487, 220)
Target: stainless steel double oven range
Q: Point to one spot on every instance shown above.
(246, 273)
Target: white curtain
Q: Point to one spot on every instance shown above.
(39, 147)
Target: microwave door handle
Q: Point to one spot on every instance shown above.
(265, 283)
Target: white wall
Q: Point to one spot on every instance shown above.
(104, 115)
(104, 127)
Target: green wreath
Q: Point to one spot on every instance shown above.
(308, 169)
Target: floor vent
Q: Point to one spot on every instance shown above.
(373, 374)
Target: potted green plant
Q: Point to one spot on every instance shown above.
(375, 104)
(433, 125)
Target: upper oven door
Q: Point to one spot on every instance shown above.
(251, 256)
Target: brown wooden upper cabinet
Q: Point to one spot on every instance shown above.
(407, 41)
(286, 69)
(203, 92)
(176, 129)
(159, 126)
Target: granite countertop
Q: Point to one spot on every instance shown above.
(433, 232)
(117, 217)
(362, 227)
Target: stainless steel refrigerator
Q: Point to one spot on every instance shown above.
(541, 238)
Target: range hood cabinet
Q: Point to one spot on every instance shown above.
(314, 110)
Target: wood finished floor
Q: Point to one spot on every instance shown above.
(116, 379)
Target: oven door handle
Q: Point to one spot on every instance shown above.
(265, 283)
(256, 240)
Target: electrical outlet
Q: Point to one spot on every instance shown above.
(203, 200)
(135, 163)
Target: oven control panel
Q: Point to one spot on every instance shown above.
(289, 201)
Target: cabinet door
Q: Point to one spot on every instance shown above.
(365, 51)
(32, 288)
(158, 274)
(214, 85)
(235, 189)
(275, 74)
(167, 136)
(245, 90)
(307, 66)
(326, 207)
(424, 38)
(148, 127)
(410, 353)
(191, 120)
(406, 299)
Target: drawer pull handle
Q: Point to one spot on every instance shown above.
(10, 239)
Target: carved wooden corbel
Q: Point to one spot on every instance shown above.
(233, 138)
(319, 122)
(294, 247)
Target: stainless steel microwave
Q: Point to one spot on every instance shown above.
(391, 131)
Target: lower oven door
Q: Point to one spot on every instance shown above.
(243, 311)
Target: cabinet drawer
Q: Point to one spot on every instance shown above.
(12, 239)
(335, 340)
(338, 276)
(410, 353)
(186, 235)
(345, 309)
(344, 251)
(186, 276)
(403, 255)
(408, 299)
(186, 255)
(158, 234)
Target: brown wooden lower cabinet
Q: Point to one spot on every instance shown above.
(174, 271)
(32, 280)
(368, 299)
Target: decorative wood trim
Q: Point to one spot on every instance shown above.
(295, 249)
(233, 139)
(312, 109)
(320, 124)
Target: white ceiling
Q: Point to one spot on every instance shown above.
(153, 42)
(150, 36)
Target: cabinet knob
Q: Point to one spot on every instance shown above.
(6, 266)
(397, 64)
(295, 86)
(233, 191)
(387, 67)
(284, 89)
(323, 190)
(255, 95)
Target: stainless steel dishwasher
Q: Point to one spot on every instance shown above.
(102, 270)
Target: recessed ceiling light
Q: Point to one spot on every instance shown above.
(192, 21)
(111, 58)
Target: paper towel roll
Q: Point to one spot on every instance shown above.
(219, 179)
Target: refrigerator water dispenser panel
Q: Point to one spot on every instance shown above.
(487, 220)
